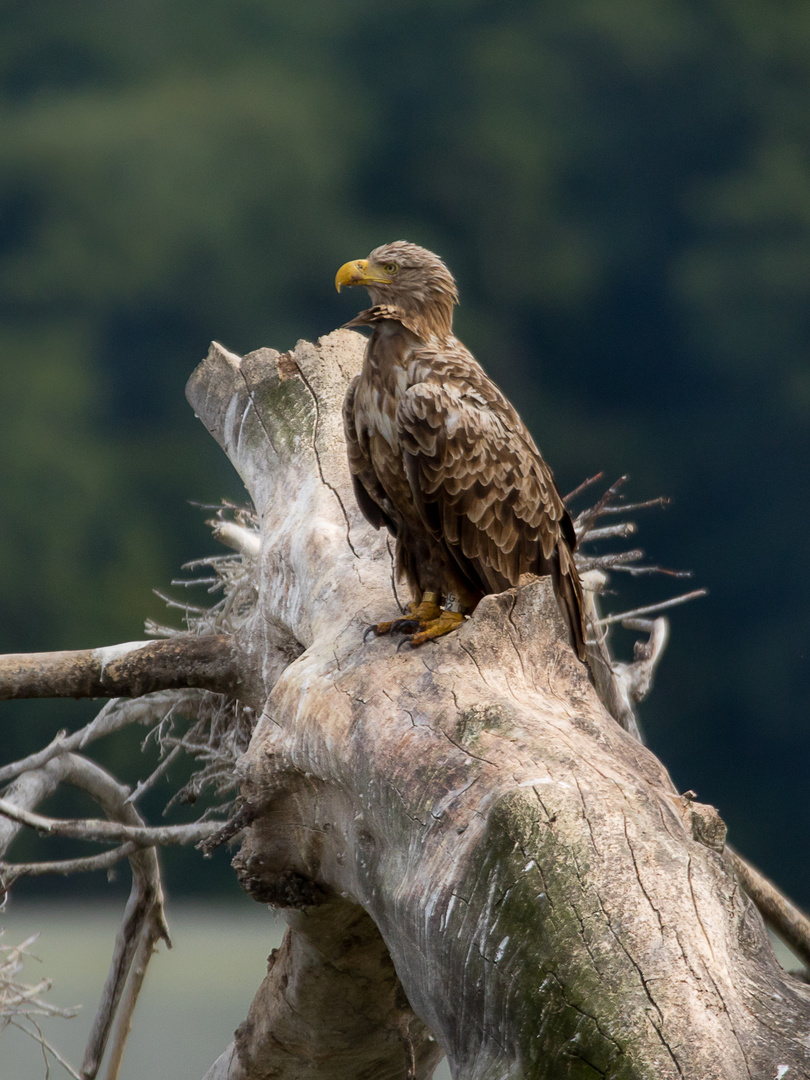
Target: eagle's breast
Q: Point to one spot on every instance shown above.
(388, 372)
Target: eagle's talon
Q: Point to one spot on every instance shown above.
(418, 616)
(424, 622)
(398, 626)
(446, 623)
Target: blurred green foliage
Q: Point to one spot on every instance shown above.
(622, 188)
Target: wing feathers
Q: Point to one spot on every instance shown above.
(484, 491)
(486, 478)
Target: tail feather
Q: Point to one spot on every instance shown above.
(568, 590)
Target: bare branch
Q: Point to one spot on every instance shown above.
(626, 528)
(105, 831)
(58, 745)
(129, 670)
(153, 931)
(181, 605)
(21, 1001)
(584, 520)
(145, 903)
(29, 790)
(145, 906)
(244, 816)
(116, 714)
(611, 561)
(652, 609)
(144, 785)
(783, 917)
(245, 541)
(11, 872)
(637, 571)
(37, 1036)
(583, 486)
(625, 508)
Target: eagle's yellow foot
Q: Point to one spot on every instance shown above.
(444, 624)
(417, 617)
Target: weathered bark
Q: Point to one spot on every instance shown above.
(131, 669)
(550, 905)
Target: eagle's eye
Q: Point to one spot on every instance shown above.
(390, 268)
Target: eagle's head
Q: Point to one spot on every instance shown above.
(407, 277)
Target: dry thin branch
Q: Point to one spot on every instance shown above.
(611, 561)
(585, 519)
(116, 714)
(47, 1047)
(11, 872)
(109, 831)
(620, 685)
(60, 743)
(139, 906)
(583, 486)
(638, 571)
(29, 790)
(151, 934)
(145, 904)
(626, 528)
(624, 508)
(146, 899)
(652, 609)
(144, 923)
(189, 610)
(144, 785)
(20, 1002)
(244, 816)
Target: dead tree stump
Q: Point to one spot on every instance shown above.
(469, 811)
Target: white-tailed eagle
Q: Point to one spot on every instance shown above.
(442, 459)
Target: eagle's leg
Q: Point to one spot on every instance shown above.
(419, 614)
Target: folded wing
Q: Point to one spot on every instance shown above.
(483, 490)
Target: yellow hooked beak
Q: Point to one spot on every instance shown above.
(359, 272)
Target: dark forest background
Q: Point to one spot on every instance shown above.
(622, 188)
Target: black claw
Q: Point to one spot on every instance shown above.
(370, 630)
(404, 626)
(405, 641)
